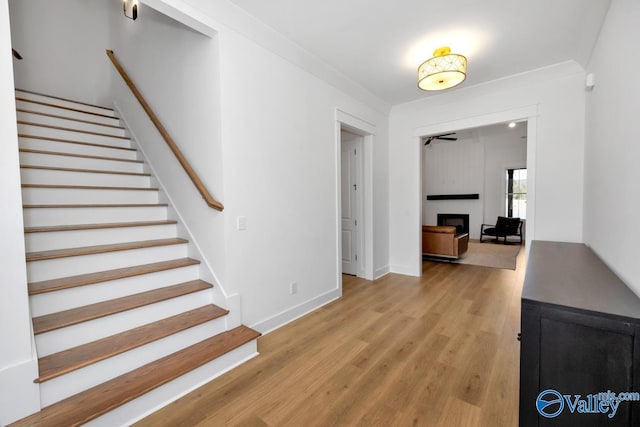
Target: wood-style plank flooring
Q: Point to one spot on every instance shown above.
(439, 350)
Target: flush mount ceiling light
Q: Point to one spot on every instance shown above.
(443, 71)
(130, 9)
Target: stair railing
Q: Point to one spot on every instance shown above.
(208, 198)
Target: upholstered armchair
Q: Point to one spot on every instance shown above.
(504, 228)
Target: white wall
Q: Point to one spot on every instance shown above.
(225, 15)
(18, 366)
(281, 153)
(503, 150)
(176, 70)
(63, 45)
(612, 176)
(454, 167)
(556, 93)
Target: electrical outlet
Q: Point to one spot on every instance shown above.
(293, 288)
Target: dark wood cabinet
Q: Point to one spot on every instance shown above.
(580, 336)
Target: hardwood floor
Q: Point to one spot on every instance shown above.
(439, 350)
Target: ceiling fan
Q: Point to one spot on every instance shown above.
(444, 137)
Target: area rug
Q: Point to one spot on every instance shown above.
(490, 254)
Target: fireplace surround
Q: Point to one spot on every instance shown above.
(460, 221)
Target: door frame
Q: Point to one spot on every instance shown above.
(528, 114)
(358, 126)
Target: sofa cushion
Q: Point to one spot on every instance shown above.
(447, 229)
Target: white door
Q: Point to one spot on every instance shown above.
(350, 188)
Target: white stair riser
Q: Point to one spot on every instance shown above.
(37, 132)
(46, 241)
(31, 106)
(38, 159)
(66, 147)
(69, 123)
(157, 398)
(56, 177)
(66, 299)
(68, 337)
(72, 135)
(74, 382)
(62, 339)
(72, 266)
(35, 217)
(63, 103)
(32, 196)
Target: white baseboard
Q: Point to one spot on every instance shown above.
(382, 271)
(274, 322)
(20, 396)
(406, 270)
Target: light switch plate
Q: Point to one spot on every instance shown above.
(241, 223)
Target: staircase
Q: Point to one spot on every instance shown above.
(123, 322)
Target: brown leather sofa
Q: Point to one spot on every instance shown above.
(442, 241)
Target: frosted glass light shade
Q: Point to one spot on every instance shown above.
(443, 71)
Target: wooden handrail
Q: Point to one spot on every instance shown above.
(167, 138)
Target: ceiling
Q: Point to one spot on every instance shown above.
(380, 44)
(501, 131)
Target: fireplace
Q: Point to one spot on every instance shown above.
(460, 221)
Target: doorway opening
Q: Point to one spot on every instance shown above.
(351, 199)
(464, 171)
(354, 139)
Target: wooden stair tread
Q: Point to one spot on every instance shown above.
(84, 156)
(73, 119)
(51, 228)
(66, 361)
(99, 249)
(72, 141)
(63, 99)
(77, 110)
(53, 168)
(22, 122)
(61, 319)
(90, 404)
(87, 187)
(52, 285)
(96, 205)
(102, 398)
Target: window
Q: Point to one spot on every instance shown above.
(516, 197)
